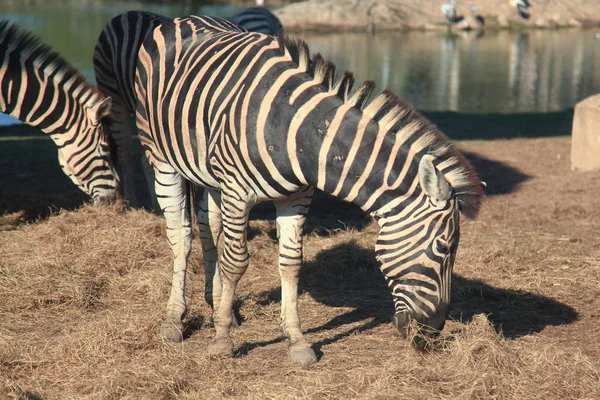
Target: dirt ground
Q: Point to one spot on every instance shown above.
(83, 290)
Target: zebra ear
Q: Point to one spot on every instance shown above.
(100, 110)
(433, 182)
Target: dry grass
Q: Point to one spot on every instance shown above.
(82, 295)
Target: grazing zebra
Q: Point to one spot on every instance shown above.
(115, 58)
(38, 87)
(252, 118)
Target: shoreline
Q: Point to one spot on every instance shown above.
(425, 15)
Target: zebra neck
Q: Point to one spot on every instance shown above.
(47, 96)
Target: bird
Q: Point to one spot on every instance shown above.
(522, 7)
(449, 11)
(475, 14)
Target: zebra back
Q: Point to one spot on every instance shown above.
(258, 19)
(38, 87)
(115, 53)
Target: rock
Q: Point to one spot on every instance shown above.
(559, 22)
(435, 27)
(503, 21)
(575, 23)
(366, 15)
(343, 15)
(542, 23)
(585, 138)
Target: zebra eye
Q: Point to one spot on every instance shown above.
(441, 246)
(437, 204)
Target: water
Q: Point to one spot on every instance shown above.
(491, 72)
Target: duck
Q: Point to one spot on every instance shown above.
(522, 7)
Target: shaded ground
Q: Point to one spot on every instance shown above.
(82, 295)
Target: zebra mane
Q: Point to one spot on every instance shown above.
(396, 117)
(44, 57)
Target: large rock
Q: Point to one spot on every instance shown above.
(327, 15)
(369, 15)
(585, 140)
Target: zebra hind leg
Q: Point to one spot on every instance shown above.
(211, 227)
(291, 214)
(171, 190)
(233, 265)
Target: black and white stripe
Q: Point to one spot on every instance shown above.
(38, 87)
(252, 118)
(115, 58)
(258, 19)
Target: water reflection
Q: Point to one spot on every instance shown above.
(495, 72)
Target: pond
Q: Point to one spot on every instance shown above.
(486, 72)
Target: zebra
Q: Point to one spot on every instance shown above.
(252, 118)
(115, 57)
(258, 19)
(38, 87)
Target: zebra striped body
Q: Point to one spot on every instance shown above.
(40, 88)
(115, 58)
(252, 118)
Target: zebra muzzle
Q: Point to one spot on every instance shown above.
(412, 330)
(106, 199)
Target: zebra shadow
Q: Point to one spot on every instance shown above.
(500, 178)
(347, 275)
(326, 214)
(33, 184)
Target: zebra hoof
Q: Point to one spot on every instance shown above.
(220, 348)
(302, 355)
(172, 332)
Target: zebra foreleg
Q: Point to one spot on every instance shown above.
(171, 191)
(291, 215)
(211, 227)
(234, 263)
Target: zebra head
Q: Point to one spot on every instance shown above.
(87, 160)
(416, 248)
